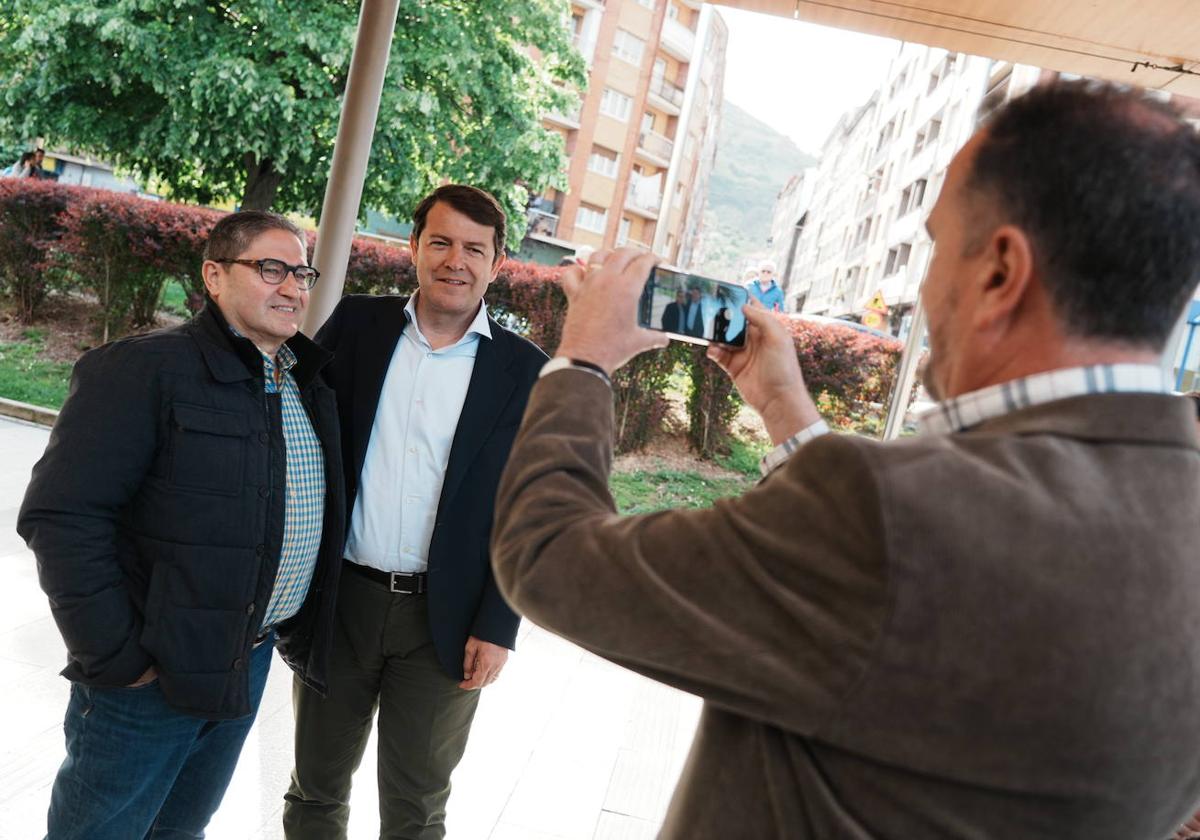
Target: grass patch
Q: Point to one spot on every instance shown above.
(743, 457)
(645, 491)
(26, 376)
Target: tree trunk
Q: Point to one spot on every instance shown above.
(262, 182)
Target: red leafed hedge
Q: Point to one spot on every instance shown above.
(124, 249)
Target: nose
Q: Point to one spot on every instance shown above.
(455, 257)
(290, 287)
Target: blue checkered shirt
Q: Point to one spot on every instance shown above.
(304, 501)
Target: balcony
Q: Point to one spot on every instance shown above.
(666, 96)
(541, 224)
(568, 120)
(677, 39)
(644, 195)
(655, 148)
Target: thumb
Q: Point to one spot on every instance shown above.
(570, 280)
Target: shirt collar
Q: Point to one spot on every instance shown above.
(971, 409)
(285, 359)
(479, 326)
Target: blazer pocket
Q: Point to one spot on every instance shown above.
(207, 449)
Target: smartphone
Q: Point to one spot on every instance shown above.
(693, 308)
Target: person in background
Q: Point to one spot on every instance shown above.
(764, 289)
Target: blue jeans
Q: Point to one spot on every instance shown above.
(138, 769)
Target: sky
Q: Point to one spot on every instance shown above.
(798, 77)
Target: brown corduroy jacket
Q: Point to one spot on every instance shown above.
(986, 634)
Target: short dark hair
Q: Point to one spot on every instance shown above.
(232, 235)
(477, 205)
(1106, 184)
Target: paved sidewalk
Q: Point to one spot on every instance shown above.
(565, 745)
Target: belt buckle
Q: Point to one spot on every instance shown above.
(395, 590)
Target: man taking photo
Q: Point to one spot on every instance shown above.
(971, 633)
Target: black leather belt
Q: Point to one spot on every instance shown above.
(397, 582)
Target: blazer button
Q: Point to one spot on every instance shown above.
(264, 438)
(260, 549)
(237, 664)
(263, 492)
(250, 609)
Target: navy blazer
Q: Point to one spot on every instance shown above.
(463, 599)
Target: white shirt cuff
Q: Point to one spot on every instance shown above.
(775, 458)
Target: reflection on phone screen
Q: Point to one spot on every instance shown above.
(694, 308)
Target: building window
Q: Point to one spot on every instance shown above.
(628, 47)
(672, 11)
(603, 162)
(615, 104)
(646, 4)
(591, 218)
(863, 233)
(897, 258)
(885, 135)
(928, 135)
(912, 196)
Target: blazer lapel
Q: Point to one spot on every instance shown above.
(488, 393)
(372, 360)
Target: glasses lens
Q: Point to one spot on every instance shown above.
(273, 271)
(306, 277)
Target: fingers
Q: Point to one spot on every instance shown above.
(483, 676)
(470, 659)
(570, 280)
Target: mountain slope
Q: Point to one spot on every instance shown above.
(753, 163)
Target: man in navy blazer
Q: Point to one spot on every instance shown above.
(430, 394)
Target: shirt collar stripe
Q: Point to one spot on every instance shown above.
(971, 409)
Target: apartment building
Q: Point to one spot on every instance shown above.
(852, 227)
(643, 141)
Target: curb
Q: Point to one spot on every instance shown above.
(27, 412)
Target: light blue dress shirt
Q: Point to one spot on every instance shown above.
(401, 482)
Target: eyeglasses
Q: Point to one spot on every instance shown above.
(274, 272)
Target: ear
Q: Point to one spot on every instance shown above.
(211, 272)
(412, 247)
(1006, 276)
(497, 265)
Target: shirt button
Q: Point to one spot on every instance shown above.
(412, 450)
(428, 355)
(411, 499)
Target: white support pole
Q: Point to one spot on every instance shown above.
(906, 376)
(348, 169)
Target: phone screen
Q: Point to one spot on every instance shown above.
(693, 308)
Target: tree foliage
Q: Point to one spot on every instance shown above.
(239, 99)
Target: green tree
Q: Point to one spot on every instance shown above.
(239, 99)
